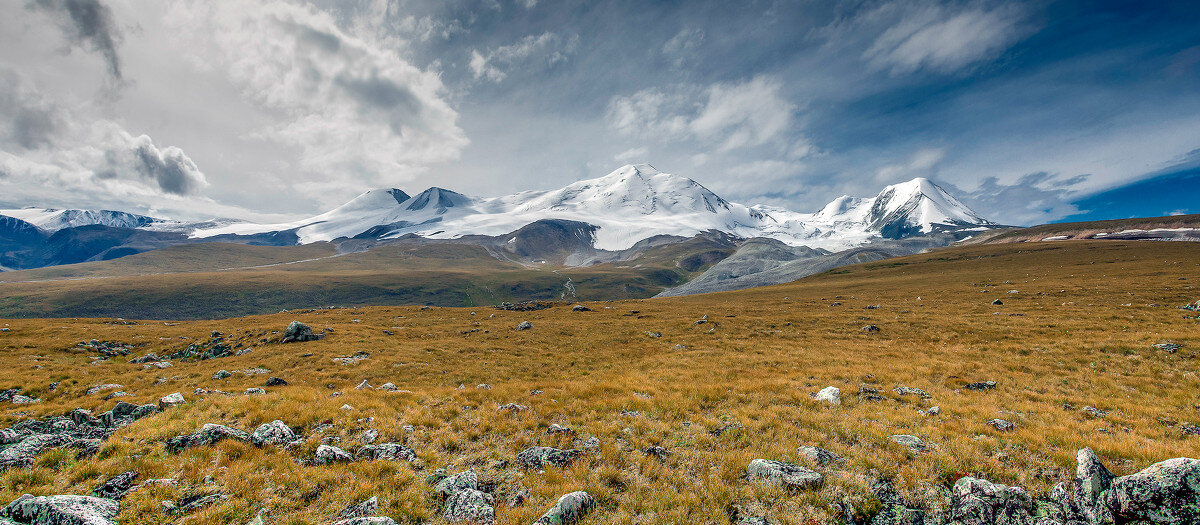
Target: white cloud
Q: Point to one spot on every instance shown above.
(548, 46)
(50, 146)
(637, 154)
(943, 39)
(353, 109)
(728, 116)
(922, 163)
(680, 46)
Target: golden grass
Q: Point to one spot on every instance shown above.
(1088, 320)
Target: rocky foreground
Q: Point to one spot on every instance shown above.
(1164, 493)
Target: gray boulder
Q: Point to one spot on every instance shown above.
(817, 455)
(980, 502)
(829, 394)
(470, 506)
(913, 443)
(360, 510)
(1164, 493)
(451, 485)
(273, 433)
(209, 434)
(792, 477)
(117, 486)
(370, 520)
(906, 390)
(329, 454)
(534, 458)
(61, 510)
(569, 509)
(390, 451)
(298, 332)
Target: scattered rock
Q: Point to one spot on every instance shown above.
(980, 385)
(273, 433)
(369, 436)
(171, 400)
(276, 381)
(534, 458)
(657, 451)
(654, 334)
(364, 386)
(61, 510)
(580, 308)
(569, 509)
(387, 387)
(1168, 347)
(371, 520)
(913, 443)
(511, 407)
(980, 502)
(222, 374)
(1001, 425)
(525, 325)
(556, 428)
(447, 486)
(829, 394)
(360, 510)
(1094, 412)
(997, 302)
(792, 477)
(100, 388)
(817, 455)
(255, 391)
(932, 411)
(389, 451)
(299, 332)
(870, 328)
(209, 434)
(117, 486)
(904, 390)
(470, 506)
(328, 455)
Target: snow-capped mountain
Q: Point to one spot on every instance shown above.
(630, 204)
(53, 220)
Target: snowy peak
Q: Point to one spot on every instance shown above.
(438, 200)
(637, 189)
(53, 220)
(373, 200)
(918, 206)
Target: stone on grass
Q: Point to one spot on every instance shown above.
(534, 458)
(450, 485)
(369, 520)
(569, 509)
(360, 510)
(329, 454)
(170, 400)
(905, 390)
(273, 433)
(817, 455)
(1001, 425)
(298, 332)
(829, 394)
(525, 325)
(389, 451)
(913, 443)
(209, 434)
(470, 506)
(980, 385)
(61, 510)
(792, 477)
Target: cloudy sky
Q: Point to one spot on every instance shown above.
(273, 109)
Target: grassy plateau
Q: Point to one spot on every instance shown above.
(1075, 329)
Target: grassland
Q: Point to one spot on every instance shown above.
(1085, 230)
(1077, 332)
(211, 281)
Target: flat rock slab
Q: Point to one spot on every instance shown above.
(792, 477)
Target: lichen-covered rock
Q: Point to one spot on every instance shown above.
(817, 455)
(298, 332)
(360, 510)
(22, 453)
(792, 477)
(328, 455)
(273, 433)
(569, 509)
(534, 458)
(470, 506)
(1167, 492)
(61, 510)
(369, 520)
(390, 451)
(981, 502)
(980, 385)
(209, 434)
(117, 486)
(170, 400)
(913, 443)
(906, 390)
(450, 485)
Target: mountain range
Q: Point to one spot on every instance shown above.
(615, 212)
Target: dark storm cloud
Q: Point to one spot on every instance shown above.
(375, 94)
(32, 122)
(87, 24)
